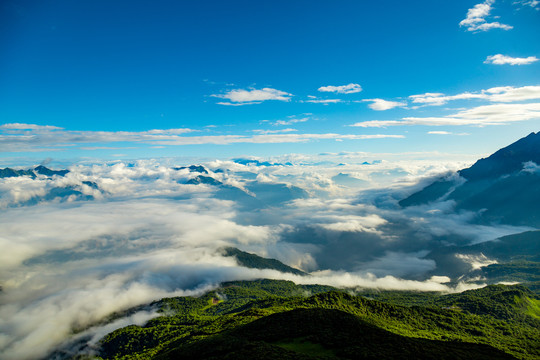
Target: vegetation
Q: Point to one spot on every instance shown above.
(271, 319)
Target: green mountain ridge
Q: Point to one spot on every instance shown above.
(323, 334)
(276, 319)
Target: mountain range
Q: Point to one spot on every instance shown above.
(33, 172)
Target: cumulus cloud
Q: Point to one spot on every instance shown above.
(343, 89)
(476, 18)
(381, 105)
(500, 59)
(353, 223)
(252, 96)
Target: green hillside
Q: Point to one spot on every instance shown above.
(270, 319)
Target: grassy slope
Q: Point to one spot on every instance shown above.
(231, 325)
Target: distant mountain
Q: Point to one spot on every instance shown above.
(42, 170)
(193, 168)
(503, 188)
(9, 172)
(259, 163)
(254, 261)
(61, 193)
(38, 170)
(201, 179)
(348, 180)
(258, 194)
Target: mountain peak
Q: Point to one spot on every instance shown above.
(496, 187)
(506, 160)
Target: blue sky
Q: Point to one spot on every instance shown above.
(139, 79)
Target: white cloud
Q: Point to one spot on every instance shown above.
(488, 26)
(484, 115)
(378, 123)
(343, 89)
(497, 114)
(353, 223)
(402, 264)
(511, 94)
(291, 121)
(500, 59)
(381, 105)
(531, 167)
(20, 126)
(440, 99)
(446, 133)
(496, 94)
(252, 96)
(532, 3)
(324, 101)
(258, 131)
(476, 261)
(476, 18)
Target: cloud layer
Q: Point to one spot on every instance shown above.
(144, 232)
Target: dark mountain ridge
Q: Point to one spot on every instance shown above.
(32, 172)
(496, 187)
(254, 261)
(507, 160)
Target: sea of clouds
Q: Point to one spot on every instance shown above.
(111, 236)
